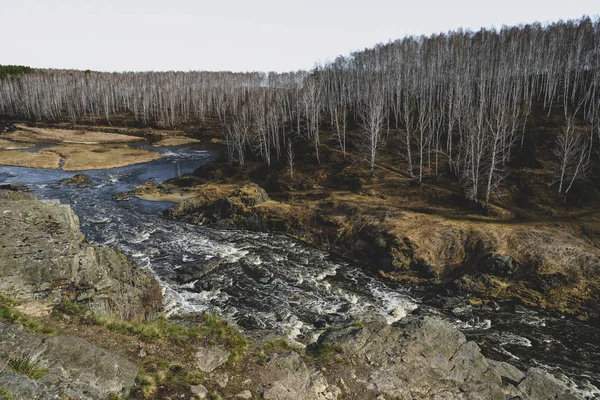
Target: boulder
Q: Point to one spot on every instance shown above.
(79, 180)
(199, 391)
(72, 367)
(210, 358)
(499, 265)
(286, 377)
(540, 385)
(43, 257)
(509, 373)
(415, 357)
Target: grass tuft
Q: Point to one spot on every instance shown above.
(31, 325)
(5, 393)
(27, 365)
(146, 385)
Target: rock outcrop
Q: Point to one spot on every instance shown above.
(247, 207)
(59, 367)
(79, 180)
(44, 257)
(427, 358)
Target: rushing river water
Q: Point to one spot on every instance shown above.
(270, 282)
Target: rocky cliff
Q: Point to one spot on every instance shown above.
(44, 257)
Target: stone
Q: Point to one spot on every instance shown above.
(79, 180)
(509, 373)
(44, 257)
(210, 358)
(245, 394)
(414, 357)
(499, 265)
(221, 378)
(74, 367)
(287, 377)
(540, 385)
(199, 391)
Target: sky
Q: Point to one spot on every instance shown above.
(239, 35)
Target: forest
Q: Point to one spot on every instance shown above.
(461, 102)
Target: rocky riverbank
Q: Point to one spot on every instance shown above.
(549, 262)
(74, 329)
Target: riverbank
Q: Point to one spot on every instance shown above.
(61, 335)
(545, 256)
(79, 148)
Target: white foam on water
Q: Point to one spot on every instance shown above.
(394, 305)
(511, 338)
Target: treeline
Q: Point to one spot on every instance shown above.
(7, 71)
(461, 99)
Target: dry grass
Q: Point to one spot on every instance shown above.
(40, 159)
(124, 130)
(81, 157)
(81, 136)
(9, 145)
(175, 141)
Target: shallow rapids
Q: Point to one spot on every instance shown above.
(271, 282)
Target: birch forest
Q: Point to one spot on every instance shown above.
(460, 101)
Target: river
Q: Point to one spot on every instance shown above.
(266, 281)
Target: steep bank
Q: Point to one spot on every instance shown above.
(44, 259)
(416, 358)
(412, 233)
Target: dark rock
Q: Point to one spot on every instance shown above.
(79, 180)
(499, 265)
(424, 270)
(16, 187)
(193, 271)
(449, 303)
(257, 272)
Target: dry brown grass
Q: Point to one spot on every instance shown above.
(81, 157)
(123, 130)
(40, 159)
(9, 145)
(168, 197)
(80, 136)
(175, 141)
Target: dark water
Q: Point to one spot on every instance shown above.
(268, 281)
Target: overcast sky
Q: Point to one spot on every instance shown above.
(239, 35)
